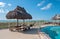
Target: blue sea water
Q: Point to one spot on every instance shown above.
(14, 20)
(7, 21)
(3, 21)
(52, 31)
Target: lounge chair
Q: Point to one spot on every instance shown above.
(31, 25)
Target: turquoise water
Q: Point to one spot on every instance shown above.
(19, 20)
(52, 31)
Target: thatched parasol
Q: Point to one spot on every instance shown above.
(18, 13)
(56, 17)
(23, 11)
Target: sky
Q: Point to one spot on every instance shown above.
(39, 9)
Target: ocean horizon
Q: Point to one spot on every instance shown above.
(3, 21)
(21, 20)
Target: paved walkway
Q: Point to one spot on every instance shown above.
(6, 34)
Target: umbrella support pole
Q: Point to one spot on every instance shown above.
(17, 22)
(23, 22)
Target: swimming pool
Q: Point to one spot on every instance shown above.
(52, 31)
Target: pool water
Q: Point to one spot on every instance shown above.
(52, 31)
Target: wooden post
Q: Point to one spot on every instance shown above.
(8, 24)
(23, 22)
(17, 22)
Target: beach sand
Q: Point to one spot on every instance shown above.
(47, 25)
(6, 34)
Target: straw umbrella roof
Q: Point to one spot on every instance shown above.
(18, 13)
(56, 17)
(18, 8)
(23, 11)
(13, 15)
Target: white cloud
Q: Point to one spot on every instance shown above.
(46, 7)
(41, 3)
(2, 4)
(2, 11)
(9, 4)
(7, 11)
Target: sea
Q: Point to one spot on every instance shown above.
(29, 20)
(3, 21)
